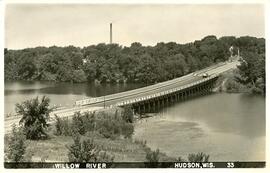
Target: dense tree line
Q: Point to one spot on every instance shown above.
(252, 68)
(115, 63)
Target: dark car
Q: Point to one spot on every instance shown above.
(205, 75)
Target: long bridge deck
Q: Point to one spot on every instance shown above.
(168, 86)
(141, 94)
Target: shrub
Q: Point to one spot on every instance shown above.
(199, 157)
(62, 126)
(89, 121)
(233, 86)
(180, 159)
(35, 115)
(108, 128)
(127, 130)
(17, 146)
(78, 124)
(113, 126)
(103, 156)
(152, 157)
(87, 151)
(128, 114)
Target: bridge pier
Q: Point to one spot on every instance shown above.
(144, 108)
(159, 101)
(154, 105)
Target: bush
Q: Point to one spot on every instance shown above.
(17, 146)
(152, 157)
(62, 126)
(89, 121)
(199, 157)
(109, 126)
(113, 126)
(78, 124)
(87, 151)
(233, 86)
(128, 114)
(180, 159)
(35, 115)
(103, 156)
(127, 130)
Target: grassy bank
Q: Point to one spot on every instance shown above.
(111, 132)
(55, 148)
(103, 136)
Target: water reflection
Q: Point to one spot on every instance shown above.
(60, 93)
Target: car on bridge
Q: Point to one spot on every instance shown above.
(205, 75)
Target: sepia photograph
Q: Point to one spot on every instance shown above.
(89, 85)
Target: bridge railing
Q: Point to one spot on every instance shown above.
(139, 99)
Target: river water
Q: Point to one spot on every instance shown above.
(61, 94)
(228, 127)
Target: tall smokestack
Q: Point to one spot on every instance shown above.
(110, 33)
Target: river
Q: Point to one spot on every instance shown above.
(228, 127)
(62, 94)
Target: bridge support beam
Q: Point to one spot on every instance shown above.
(155, 103)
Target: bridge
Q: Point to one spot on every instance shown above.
(149, 98)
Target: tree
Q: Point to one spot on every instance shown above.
(35, 115)
(79, 76)
(113, 63)
(17, 146)
(27, 67)
(252, 71)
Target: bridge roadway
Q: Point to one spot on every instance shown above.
(113, 99)
(161, 87)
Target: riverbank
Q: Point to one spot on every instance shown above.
(228, 84)
(55, 149)
(109, 131)
(181, 127)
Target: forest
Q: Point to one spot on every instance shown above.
(113, 63)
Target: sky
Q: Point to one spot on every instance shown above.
(32, 25)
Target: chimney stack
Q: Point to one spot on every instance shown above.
(110, 33)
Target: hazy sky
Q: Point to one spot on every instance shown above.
(31, 25)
